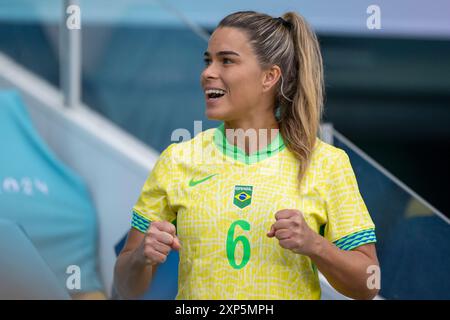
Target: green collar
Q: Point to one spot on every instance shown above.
(232, 151)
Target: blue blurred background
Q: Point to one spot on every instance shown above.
(387, 97)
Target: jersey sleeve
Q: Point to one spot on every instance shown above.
(153, 204)
(349, 224)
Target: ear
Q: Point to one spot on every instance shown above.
(270, 77)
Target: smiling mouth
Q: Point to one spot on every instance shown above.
(215, 93)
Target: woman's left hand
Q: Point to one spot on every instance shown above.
(293, 232)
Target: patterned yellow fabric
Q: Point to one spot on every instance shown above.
(223, 203)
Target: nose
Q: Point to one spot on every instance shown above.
(210, 72)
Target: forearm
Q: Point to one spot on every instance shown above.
(132, 275)
(346, 271)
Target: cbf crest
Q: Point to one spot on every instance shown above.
(242, 196)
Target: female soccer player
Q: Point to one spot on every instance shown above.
(254, 218)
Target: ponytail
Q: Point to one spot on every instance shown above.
(300, 119)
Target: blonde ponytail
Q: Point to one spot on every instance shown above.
(300, 120)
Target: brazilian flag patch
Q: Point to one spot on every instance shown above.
(242, 196)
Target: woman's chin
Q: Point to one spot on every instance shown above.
(214, 114)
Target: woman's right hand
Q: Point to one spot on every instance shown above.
(159, 239)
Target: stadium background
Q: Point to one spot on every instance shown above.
(387, 90)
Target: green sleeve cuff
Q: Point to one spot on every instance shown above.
(139, 222)
(356, 239)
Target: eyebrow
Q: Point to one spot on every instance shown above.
(222, 53)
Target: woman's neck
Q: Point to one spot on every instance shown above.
(251, 135)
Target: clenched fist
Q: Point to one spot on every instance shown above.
(159, 239)
(293, 232)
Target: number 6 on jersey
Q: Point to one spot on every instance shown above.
(231, 244)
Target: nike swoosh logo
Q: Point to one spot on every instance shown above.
(193, 183)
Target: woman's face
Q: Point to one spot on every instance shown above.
(232, 78)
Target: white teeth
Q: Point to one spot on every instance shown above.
(211, 91)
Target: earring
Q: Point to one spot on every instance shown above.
(278, 113)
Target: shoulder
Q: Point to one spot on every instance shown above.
(202, 138)
(179, 150)
(329, 163)
(327, 155)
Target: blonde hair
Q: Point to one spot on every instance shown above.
(290, 43)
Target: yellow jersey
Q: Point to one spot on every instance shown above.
(224, 201)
